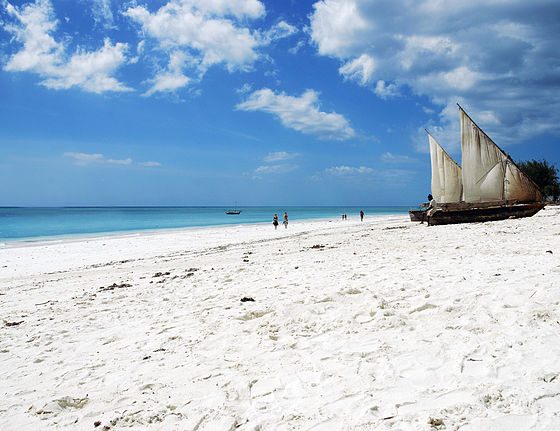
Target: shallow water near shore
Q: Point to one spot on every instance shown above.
(35, 223)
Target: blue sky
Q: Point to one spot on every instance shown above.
(208, 102)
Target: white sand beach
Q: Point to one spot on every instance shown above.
(381, 325)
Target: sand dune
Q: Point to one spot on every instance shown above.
(353, 326)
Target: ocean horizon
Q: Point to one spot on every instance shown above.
(41, 223)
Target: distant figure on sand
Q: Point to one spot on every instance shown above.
(275, 221)
(430, 210)
(285, 220)
(361, 215)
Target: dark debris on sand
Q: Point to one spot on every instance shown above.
(13, 323)
(247, 299)
(114, 286)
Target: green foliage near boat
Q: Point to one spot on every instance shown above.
(545, 175)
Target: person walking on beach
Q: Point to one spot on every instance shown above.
(285, 220)
(275, 221)
(361, 215)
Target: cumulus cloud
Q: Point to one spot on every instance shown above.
(209, 32)
(32, 26)
(498, 58)
(300, 113)
(386, 91)
(149, 164)
(360, 69)
(172, 78)
(279, 156)
(198, 27)
(180, 39)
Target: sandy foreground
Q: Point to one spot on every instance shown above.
(381, 325)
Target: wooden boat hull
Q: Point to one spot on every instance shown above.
(469, 213)
(233, 212)
(416, 215)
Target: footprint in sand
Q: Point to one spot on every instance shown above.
(254, 315)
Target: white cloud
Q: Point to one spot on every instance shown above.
(386, 91)
(279, 156)
(211, 32)
(32, 25)
(91, 71)
(360, 69)
(295, 49)
(237, 8)
(275, 169)
(300, 113)
(180, 39)
(123, 162)
(396, 158)
(84, 159)
(172, 78)
(498, 56)
(349, 170)
(387, 178)
(102, 13)
(336, 26)
(149, 164)
(279, 30)
(245, 88)
(217, 41)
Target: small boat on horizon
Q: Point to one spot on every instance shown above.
(234, 211)
(489, 186)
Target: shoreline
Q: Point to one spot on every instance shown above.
(6, 243)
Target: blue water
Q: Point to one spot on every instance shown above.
(37, 223)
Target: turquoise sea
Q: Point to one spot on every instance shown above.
(41, 223)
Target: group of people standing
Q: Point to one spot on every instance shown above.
(345, 216)
(275, 221)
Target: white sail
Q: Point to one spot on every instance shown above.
(446, 175)
(518, 186)
(489, 174)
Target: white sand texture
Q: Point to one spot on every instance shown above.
(381, 325)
